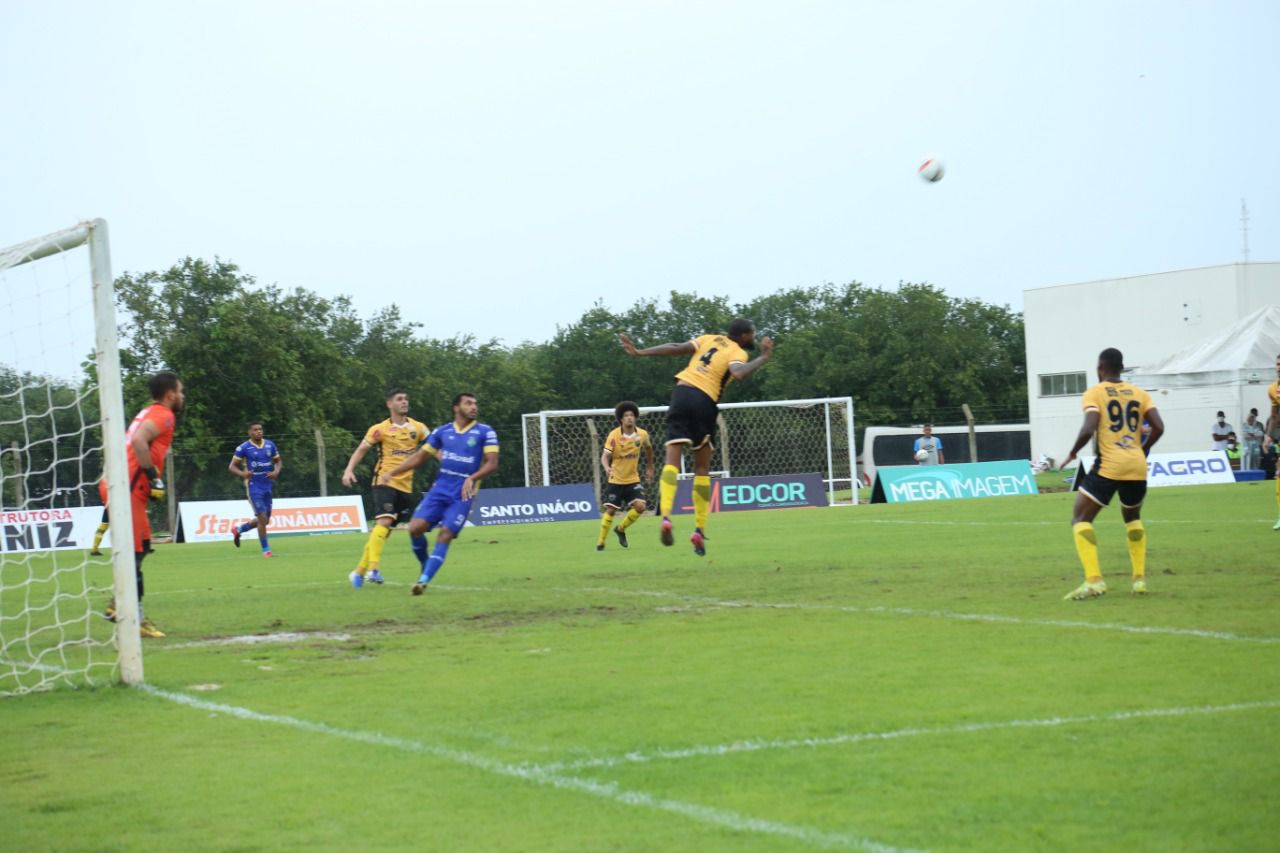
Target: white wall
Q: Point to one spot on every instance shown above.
(1147, 318)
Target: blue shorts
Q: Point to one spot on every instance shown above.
(443, 507)
(260, 499)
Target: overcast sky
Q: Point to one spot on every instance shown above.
(496, 167)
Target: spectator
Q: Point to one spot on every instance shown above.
(1220, 430)
(930, 444)
(1251, 443)
(1233, 451)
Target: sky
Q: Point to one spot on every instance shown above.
(495, 168)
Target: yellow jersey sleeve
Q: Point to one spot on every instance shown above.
(708, 368)
(1273, 393)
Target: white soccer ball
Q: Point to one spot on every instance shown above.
(931, 170)
(922, 455)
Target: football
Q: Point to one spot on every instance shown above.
(931, 170)
(922, 455)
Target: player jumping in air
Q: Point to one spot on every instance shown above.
(1113, 414)
(257, 462)
(621, 462)
(468, 452)
(715, 361)
(146, 443)
(396, 438)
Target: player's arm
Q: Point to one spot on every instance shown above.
(422, 454)
(1087, 431)
(741, 370)
(1157, 430)
(237, 467)
(682, 348)
(487, 467)
(349, 475)
(942, 460)
(1272, 421)
(606, 462)
(141, 444)
(648, 455)
(275, 472)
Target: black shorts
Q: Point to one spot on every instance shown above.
(691, 417)
(392, 503)
(619, 495)
(1132, 492)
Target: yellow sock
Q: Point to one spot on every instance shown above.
(1087, 548)
(1137, 548)
(667, 489)
(606, 521)
(701, 501)
(363, 565)
(632, 515)
(97, 537)
(377, 539)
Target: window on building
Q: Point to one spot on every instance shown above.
(1062, 384)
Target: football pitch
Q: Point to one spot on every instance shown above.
(874, 677)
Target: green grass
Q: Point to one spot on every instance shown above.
(498, 712)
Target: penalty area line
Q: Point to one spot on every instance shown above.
(759, 745)
(530, 773)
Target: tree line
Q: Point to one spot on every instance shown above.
(301, 363)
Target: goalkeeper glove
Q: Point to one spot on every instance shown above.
(157, 489)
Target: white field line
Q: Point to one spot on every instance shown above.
(258, 640)
(603, 790)
(758, 745)
(340, 582)
(1198, 633)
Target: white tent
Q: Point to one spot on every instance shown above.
(1243, 353)
(1229, 370)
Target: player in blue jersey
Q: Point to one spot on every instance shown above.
(257, 462)
(468, 452)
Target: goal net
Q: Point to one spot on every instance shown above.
(61, 428)
(777, 437)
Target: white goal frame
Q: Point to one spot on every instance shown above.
(94, 234)
(838, 459)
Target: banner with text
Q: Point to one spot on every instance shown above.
(67, 529)
(212, 521)
(1192, 468)
(905, 483)
(534, 505)
(734, 494)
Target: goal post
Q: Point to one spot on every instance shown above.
(64, 432)
(774, 437)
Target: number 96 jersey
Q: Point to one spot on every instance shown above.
(1122, 408)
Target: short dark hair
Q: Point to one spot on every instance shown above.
(740, 327)
(394, 390)
(1111, 358)
(457, 398)
(624, 407)
(253, 424)
(162, 383)
(927, 426)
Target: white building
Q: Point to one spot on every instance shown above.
(1148, 318)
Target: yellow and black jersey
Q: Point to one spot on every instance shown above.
(1122, 407)
(708, 369)
(396, 443)
(1273, 393)
(624, 455)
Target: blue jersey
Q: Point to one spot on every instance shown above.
(461, 453)
(260, 461)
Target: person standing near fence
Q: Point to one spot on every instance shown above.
(931, 445)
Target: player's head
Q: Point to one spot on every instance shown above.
(465, 406)
(397, 401)
(626, 413)
(166, 389)
(1110, 363)
(255, 430)
(743, 332)
(1222, 418)
(928, 429)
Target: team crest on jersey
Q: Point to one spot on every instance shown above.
(471, 442)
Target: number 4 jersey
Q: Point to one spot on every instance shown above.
(1119, 438)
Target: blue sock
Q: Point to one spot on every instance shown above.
(262, 540)
(437, 560)
(246, 527)
(419, 546)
